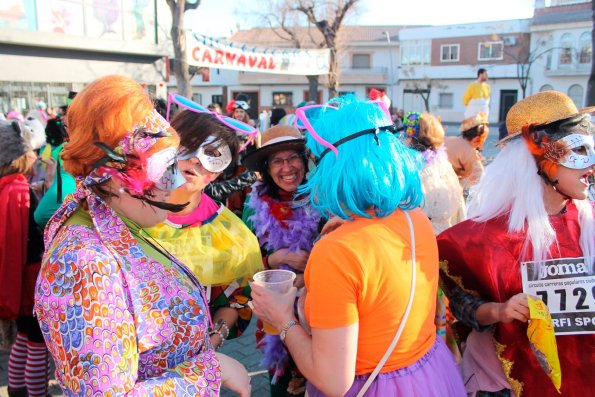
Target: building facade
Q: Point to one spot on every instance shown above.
(49, 48)
(561, 43)
(430, 67)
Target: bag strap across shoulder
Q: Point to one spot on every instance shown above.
(393, 344)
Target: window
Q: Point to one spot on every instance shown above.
(415, 52)
(566, 49)
(449, 53)
(217, 99)
(585, 48)
(546, 87)
(490, 50)
(360, 61)
(576, 92)
(282, 99)
(318, 98)
(445, 100)
(197, 98)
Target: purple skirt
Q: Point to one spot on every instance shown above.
(434, 375)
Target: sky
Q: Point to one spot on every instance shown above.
(223, 17)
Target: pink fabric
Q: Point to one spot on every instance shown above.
(482, 370)
(206, 209)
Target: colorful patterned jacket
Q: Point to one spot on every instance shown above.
(116, 321)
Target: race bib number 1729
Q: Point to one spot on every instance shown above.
(567, 286)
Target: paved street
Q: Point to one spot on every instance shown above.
(243, 349)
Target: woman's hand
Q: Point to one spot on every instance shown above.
(50, 172)
(234, 375)
(296, 260)
(273, 307)
(299, 281)
(333, 223)
(516, 308)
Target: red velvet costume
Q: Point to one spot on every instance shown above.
(483, 260)
(14, 216)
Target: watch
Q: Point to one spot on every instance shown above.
(286, 328)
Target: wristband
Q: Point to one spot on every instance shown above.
(286, 328)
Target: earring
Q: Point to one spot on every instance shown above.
(121, 190)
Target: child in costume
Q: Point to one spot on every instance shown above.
(529, 208)
(373, 280)
(214, 243)
(121, 315)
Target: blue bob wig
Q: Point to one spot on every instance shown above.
(373, 174)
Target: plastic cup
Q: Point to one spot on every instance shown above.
(276, 280)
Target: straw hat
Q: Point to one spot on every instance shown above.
(539, 109)
(474, 121)
(275, 139)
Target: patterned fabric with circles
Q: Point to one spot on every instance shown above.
(116, 321)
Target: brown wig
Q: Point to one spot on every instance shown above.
(431, 132)
(194, 128)
(21, 165)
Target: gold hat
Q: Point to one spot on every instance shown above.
(540, 109)
(275, 139)
(479, 119)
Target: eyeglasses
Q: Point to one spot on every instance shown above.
(232, 123)
(305, 113)
(293, 160)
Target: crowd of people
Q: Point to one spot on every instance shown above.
(131, 235)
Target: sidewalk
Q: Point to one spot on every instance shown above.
(242, 349)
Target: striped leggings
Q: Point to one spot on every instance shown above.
(28, 364)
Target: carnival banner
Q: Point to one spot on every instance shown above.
(214, 53)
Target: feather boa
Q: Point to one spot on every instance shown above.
(281, 225)
(274, 233)
(433, 155)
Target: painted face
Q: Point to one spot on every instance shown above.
(214, 155)
(161, 169)
(287, 169)
(574, 151)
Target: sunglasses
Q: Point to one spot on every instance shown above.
(304, 114)
(232, 123)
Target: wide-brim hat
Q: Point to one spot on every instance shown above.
(474, 121)
(275, 139)
(540, 109)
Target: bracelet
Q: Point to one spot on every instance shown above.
(220, 335)
(286, 328)
(224, 326)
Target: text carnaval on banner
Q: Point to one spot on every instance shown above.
(209, 52)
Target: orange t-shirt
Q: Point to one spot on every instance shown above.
(361, 273)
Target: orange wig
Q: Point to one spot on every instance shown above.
(105, 111)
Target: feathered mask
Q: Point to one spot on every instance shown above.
(139, 173)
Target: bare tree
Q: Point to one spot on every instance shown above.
(178, 36)
(285, 24)
(422, 86)
(524, 57)
(591, 83)
(327, 17)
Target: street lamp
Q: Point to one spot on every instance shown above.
(391, 71)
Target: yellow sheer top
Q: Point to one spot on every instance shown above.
(219, 251)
